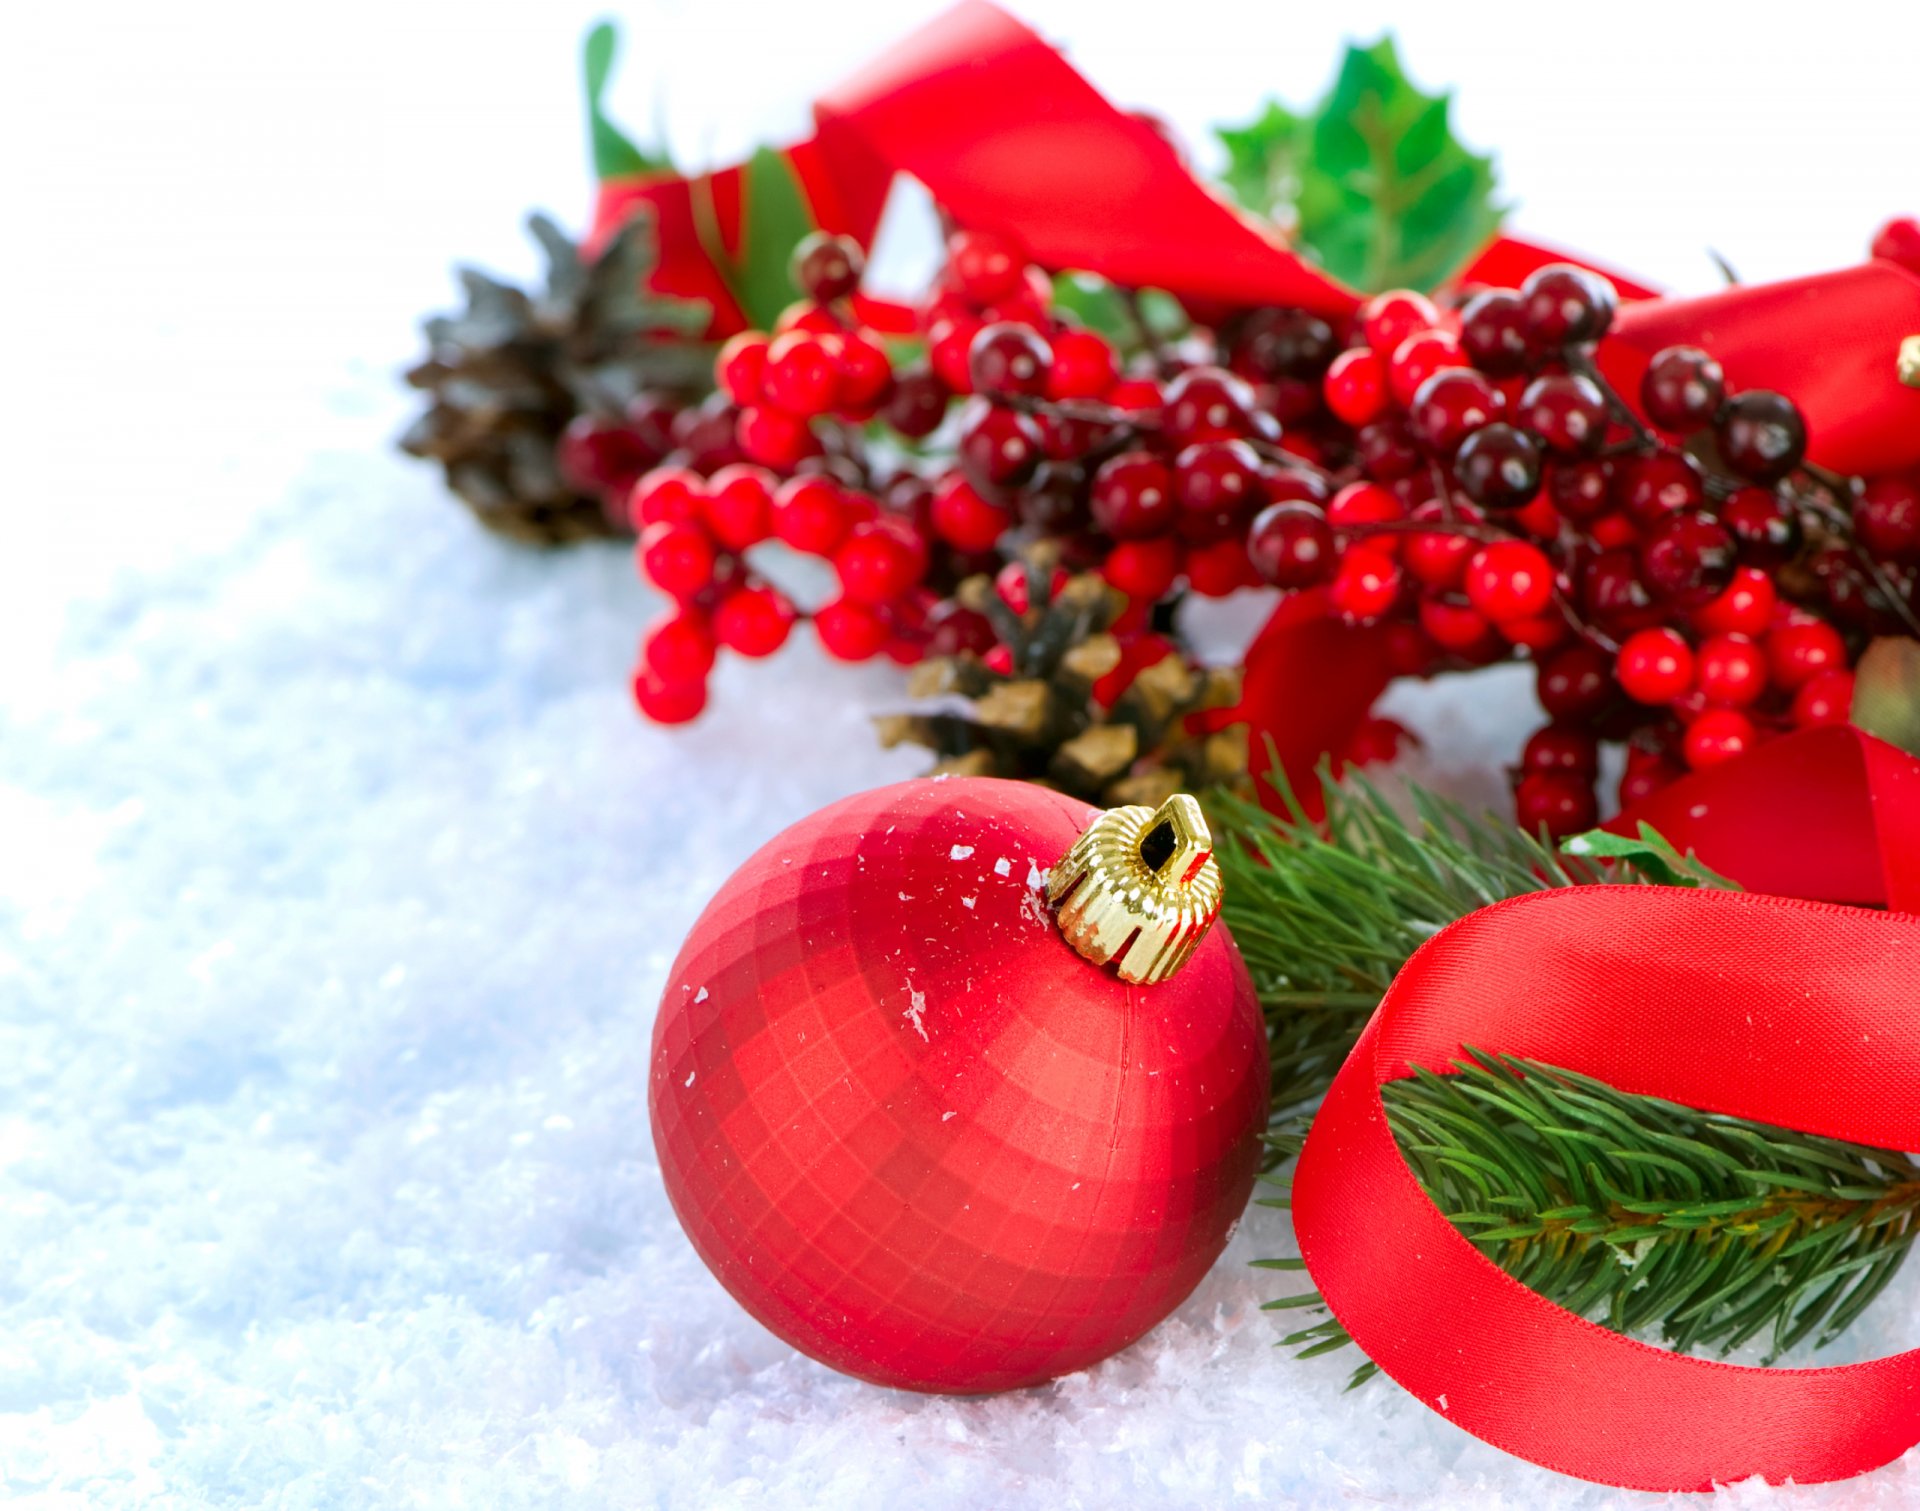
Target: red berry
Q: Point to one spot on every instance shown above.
(806, 315)
(1611, 531)
(1581, 489)
(999, 448)
(1562, 747)
(677, 559)
(988, 267)
(1206, 404)
(1826, 698)
(998, 659)
(1509, 580)
(1886, 518)
(965, 520)
(1361, 504)
(1143, 569)
(1799, 652)
(1291, 545)
(1449, 407)
(916, 405)
(1613, 593)
(826, 267)
(1215, 570)
(1766, 530)
(1730, 669)
(1355, 387)
(1899, 241)
(1133, 497)
(810, 515)
(679, 648)
(739, 506)
(1083, 366)
(1388, 319)
(1009, 358)
(799, 376)
(1652, 487)
(1438, 558)
(1365, 586)
(1717, 735)
(1575, 683)
(740, 366)
(1499, 467)
(666, 496)
(863, 374)
(1567, 411)
(949, 352)
(1494, 333)
(1538, 633)
(953, 629)
(1280, 343)
(1218, 478)
(753, 621)
(1559, 802)
(602, 456)
(1745, 608)
(1454, 626)
(774, 438)
(1538, 518)
(1566, 306)
(1644, 780)
(1654, 666)
(668, 702)
(1387, 451)
(1682, 389)
(1417, 359)
(851, 631)
(1688, 558)
(877, 563)
(1762, 435)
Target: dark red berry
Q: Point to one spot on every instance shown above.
(1206, 404)
(1417, 359)
(1291, 545)
(602, 456)
(1559, 802)
(1566, 306)
(1567, 412)
(917, 404)
(999, 448)
(1386, 450)
(1886, 518)
(1495, 335)
(1217, 476)
(1682, 389)
(1009, 358)
(1581, 490)
(1281, 343)
(1449, 407)
(826, 267)
(1575, 684)
(1762, 436)
(1688, 558)
(1498, 466)
(1651, 487)
(1764, 529)
(952, 629)
(1133, 497)
(1614, 595)
(1562, 747)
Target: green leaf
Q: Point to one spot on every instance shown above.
(614, 152)
(774, 216)
(1372, 182)
(1886, 692)
(1263, 161)
(1155, 317)
(1652, 855)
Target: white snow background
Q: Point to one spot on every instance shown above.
(337, 878)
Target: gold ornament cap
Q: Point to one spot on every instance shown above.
(1909, 367)
(1139, 889)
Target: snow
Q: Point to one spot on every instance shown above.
(338, 883)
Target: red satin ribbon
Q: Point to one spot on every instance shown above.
(1780, 1010)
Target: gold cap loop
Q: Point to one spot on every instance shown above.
(1909, 368)
(1139, 889)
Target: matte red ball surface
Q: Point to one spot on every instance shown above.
(919, 1137)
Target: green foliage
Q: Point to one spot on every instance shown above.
(1372, 182)
(1886, 692)
(1652, 856)
(1646, 1216)
(774, 217)
(1326, 914)
(614, 153)
(1132, 320)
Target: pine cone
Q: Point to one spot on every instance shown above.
(1043, 723)
(508, 373)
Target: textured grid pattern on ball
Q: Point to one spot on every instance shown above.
(913, 1132)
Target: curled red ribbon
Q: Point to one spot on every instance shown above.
(1782, 1010)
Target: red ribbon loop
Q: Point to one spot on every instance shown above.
(1781, 1010)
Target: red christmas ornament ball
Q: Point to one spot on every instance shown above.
(913, 1131)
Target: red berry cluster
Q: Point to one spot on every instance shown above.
(1464, 478)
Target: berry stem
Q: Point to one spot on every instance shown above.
(1580, 361)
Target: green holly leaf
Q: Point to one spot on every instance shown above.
(1886, 692)
(614, 153)
(1264, 161)
(1652, 855)
(774, 216)
(1102, 308)
(1373, 181)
